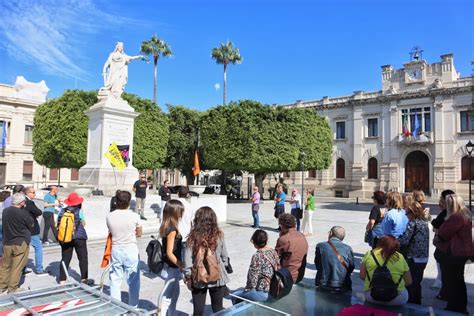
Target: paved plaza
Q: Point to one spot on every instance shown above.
(329, 212)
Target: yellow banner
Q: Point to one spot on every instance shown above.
(115, 157)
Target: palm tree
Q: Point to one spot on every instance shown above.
(225, 54)
(156, 47)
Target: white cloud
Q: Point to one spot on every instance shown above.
(217, 86)
(52, 33)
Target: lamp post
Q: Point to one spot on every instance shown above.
(302, 157)
(469, 149)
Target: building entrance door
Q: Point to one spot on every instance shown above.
(3, 173)
(417, 172)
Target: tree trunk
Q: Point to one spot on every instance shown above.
(155, 63)
(225, 81)
(189, 178)
(259, 177)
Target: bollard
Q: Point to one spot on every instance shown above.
(357, 200)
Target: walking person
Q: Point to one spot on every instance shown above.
(439, 256)
(139, 187)
(172, 242)
(165, 194)
(17, 227)
(124, 225)
(206, 237)
(415, 240)
(51, 201)
(295, 202)
(308, 213)
(36, 242)
(255, 200)
(455, 241)
(280, 199)
(264, 263)
(79, 239)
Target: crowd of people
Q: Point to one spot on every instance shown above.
(194, 248)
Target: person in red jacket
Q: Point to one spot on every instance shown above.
(455, 241)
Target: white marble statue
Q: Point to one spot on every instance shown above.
(115, 71)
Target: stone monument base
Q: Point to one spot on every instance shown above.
(111, 120)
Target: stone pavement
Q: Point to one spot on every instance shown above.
(237, 230)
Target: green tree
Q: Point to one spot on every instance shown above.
(61, 128)
(155, 47)
(183, 129)
(226, 54)
(249, 136)
(60, 133)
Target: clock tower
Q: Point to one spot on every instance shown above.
(418, 74)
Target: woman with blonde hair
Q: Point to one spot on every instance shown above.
(395, 220)
(415, 246)
(454, 239)
(419, 196)
(172, 248)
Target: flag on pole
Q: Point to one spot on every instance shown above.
(196, 168)
(416, 130)
(405, 130)
(4, 138)
(115, 157)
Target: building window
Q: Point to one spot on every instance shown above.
(465, 168)
(312, 173)
(286, 174)
(28, 134)
(340, 168)
(418, 119)
(74, 174)
(53, 174)
(467, 121)
(373, 127)
(27, 170)
(372, 167)
(340, 130)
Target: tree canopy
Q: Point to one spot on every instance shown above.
(249, 136)
(183, 129)
(61, 128)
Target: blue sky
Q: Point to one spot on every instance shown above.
(291, 49)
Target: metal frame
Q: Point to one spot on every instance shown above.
(260, 305)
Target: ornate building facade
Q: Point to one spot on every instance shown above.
(410, 135)
(18, 104)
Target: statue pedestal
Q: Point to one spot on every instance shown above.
(110, 120)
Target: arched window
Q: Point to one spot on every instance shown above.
(340, 168)
(372, 168)
(465, 168)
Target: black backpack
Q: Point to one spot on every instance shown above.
(281, 283)
(155, 261)
(382, 287)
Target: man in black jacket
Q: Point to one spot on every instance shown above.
(17, 227)
(36, 241)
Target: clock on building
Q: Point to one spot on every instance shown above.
(414, 74)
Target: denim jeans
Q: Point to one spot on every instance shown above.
(171, 294)
(253, 295)
(125, 261)
(37, 245)
(256, 219)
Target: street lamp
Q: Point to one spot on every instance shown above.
(302, 157)
(469, 149)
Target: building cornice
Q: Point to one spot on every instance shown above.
(464, 85)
